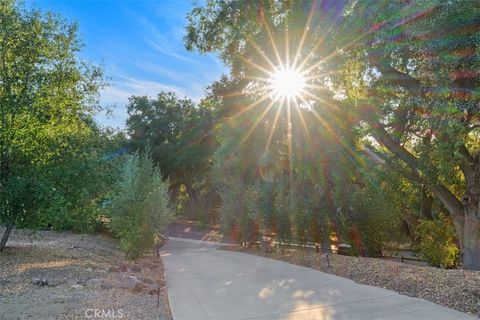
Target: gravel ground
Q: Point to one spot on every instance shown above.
(49, 275)
(457, 289)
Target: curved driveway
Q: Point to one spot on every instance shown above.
(209, 284)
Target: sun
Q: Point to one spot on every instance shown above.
(287, 83)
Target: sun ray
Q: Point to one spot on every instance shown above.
(254, 64)
(233, 94)
(319, 99)
(311, 53)
(360, 37)
(352, 156)
(315, 76)
(304, 34)
(272, 41)
(287, 49)
(261, 52)
(322, 121)
(304, 126)
(334, 134)
(315, 86)
(289, 140)
(258, 78)
(335, 52)
(304, 77)
(257, 122)
(247, 108)
(289, 79)
(274, 125)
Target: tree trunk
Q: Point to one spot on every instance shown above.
(466, 213)
(331, 212)
(471, 241)
(471, 204)
(193, 202)
(464, 219)
(6, 235)
(322, 229)
(325, 241)
(427, 202)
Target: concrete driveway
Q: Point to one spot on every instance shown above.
(209, 284)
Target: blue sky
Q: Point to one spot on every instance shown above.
(140, 45)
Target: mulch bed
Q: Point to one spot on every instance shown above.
(457, 289)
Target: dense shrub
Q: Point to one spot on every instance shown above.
(239, 211)
(437, 242)
(67, 194)
(368, 218)
(140, 207)
(232, 205)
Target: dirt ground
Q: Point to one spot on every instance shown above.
(191, 230)
(50, 275)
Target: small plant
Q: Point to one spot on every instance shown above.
(437, 242)
(140, 209)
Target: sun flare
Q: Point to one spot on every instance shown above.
(287, 83)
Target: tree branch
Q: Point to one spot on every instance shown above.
(448, 199)
(412, 85)
(467, 167)
(392, 75)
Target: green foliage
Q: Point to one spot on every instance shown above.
(398, 76)
(51, 169)
(437, 242)
(231, 206)
(282, 214)
(372, 209)
(424, 110)
(140, 208)
(373, 217)
(179, 134)
(237, 211)
(46, 194)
